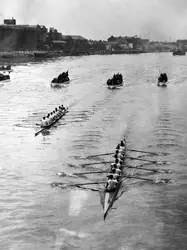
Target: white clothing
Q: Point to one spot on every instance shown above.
(112, 184)
(118, 171)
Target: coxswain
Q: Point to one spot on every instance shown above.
(111, 183)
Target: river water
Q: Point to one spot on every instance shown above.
(35, 215)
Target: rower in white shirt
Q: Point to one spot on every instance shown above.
(118, 170)
(118, 156)
(111, 183)
(115, 175)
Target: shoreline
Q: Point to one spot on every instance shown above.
(20, 57)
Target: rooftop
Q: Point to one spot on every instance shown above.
(74, 37)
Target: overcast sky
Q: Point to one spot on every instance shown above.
(99, 19)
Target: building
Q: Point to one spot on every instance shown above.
(76, 44)
(21, 37)
(124, 43)
(58, 45)
(182, 44)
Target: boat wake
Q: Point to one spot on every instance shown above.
(78, 235)
(77, 201)
(69, 239)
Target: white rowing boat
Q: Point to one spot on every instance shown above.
(110, 196)
(52, 123)
(55, 120)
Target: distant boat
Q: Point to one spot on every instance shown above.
(179, 52)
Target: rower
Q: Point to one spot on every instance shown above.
(54, 115)
(118, 163)
(48, 118)
(121, 147)
(118, 170)
(115, 175)
(111, 183)
(118, 156)
(120, 152)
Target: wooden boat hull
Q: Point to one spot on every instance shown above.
(4, 81)
(179, 53)
(162, 84)
(110, 199)
(6, 70)
(115, 86)
(56, 84)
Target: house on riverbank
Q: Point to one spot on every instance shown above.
(125, 43)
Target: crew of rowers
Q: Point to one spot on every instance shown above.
(47, 120)
(115, 170)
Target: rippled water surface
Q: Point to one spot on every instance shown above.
(147, 216)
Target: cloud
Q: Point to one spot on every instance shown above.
(156, 19)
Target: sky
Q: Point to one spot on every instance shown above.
(158, 20)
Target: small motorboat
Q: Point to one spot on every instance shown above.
(116, 81)
(6, 68)
(179, 52)
(4, 77)
(60, 80)
(162, 84)
(55, 83)
(162, 80)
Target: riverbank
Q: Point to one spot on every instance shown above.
(42, 53)
(21, 57)
(27, 53)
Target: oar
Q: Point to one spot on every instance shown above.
(147, 152)
(54, 184)
(146, 179)
(96, 163)
(64, 185)
(133, 150)
(127, 157)
(90, 156)
(156, 162)
(41, 130)
(167, 171)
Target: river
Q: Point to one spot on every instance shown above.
(35, 215)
